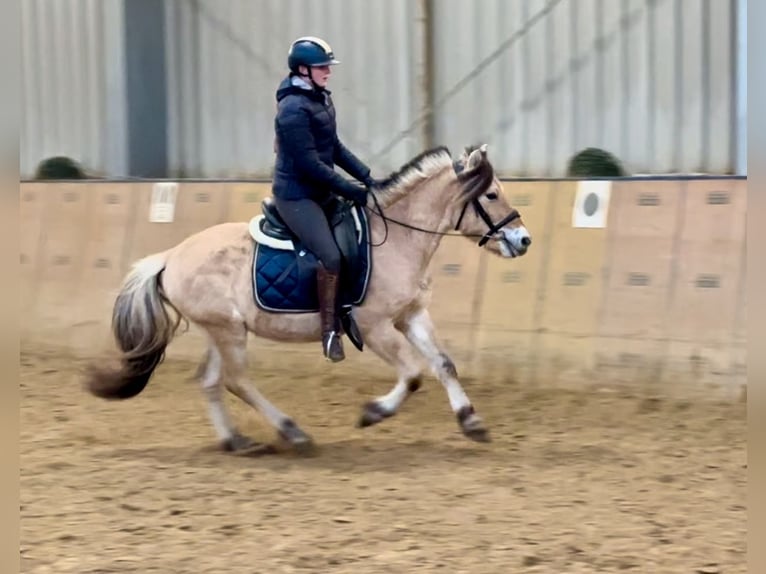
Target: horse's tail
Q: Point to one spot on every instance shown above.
(142, 328)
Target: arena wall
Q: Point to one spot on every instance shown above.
(653, 297)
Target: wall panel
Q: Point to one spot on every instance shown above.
(198, 205)
(571, 296)
(455, 271)
(244, 201)
(62, 260)
(703, 312)
(509, 305)
(109, 234)
(640, 262)
(31, 213)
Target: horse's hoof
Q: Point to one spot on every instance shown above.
(298, 440)
(372, 414)
(479, 434)
(472, 425)
(303, 447)
(238, 443)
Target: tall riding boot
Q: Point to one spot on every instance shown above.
(327, 284)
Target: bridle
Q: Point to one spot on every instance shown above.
(492, 228)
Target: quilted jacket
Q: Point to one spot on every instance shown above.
(308, 147)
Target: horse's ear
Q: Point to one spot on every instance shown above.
(477, 156)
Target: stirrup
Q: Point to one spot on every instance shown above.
(332, 346)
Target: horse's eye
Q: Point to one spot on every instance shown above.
(492, 196)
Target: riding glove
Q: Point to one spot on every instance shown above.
(370, 181)
(359, 195)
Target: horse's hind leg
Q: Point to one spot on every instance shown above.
(390, 345)
(210, 375)
(419, 330)
(232, 343)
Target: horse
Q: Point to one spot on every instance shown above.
(207, 279)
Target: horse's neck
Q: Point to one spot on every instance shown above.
(429, 208)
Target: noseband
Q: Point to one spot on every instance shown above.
(493, 227)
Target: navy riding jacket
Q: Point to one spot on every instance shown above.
(308, 147)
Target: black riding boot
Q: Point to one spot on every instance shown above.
(327, 283)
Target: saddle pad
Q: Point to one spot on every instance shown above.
(284, 280)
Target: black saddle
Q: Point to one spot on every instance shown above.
(342, 223)
(273, 225)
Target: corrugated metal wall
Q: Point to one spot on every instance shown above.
(649, 80)
(226, 58)
(73, 97)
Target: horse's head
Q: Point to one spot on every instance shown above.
(484, 209)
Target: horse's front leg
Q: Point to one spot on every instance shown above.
(419, 330)
(391, 346)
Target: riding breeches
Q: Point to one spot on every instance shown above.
(308, 221)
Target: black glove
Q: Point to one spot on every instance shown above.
(370, 181)
(353, 192)
(359, 196)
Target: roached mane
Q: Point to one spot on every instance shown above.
(421, 167)
(431, 162)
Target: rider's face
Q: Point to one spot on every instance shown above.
(320, 75)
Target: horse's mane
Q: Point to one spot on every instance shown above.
(420, 167)
(432, 162)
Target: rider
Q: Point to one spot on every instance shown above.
(307, 148)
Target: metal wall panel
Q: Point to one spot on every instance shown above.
(72, 84)
(226, 58)
(650, 81)
(654, 81)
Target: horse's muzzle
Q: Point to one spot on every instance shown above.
(515, 241)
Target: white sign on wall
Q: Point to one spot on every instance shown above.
(162, 207)
(591, 205)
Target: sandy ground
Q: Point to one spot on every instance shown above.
(573, 482)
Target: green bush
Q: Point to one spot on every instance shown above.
(59, 167)
(595, 162)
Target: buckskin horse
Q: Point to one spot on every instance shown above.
(232, 279)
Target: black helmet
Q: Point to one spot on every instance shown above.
(310, 51)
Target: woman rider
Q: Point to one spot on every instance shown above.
(308, 148)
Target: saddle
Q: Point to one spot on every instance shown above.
(284, 271)
(344, 224)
